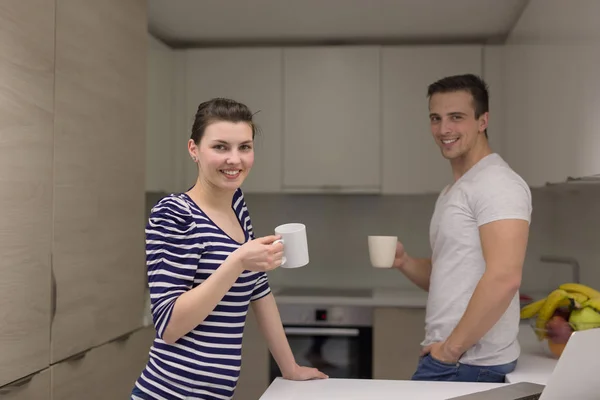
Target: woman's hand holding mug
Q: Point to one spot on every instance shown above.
(261, 254)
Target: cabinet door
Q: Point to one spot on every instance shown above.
(26, 106)
(254, 374)
(105, 372)
(412, 162)
(33, 387)
(99, 208)
(332, 135)
(253, 77)
(494, 74)
(160, 128)
(552, 111)
(397, 337)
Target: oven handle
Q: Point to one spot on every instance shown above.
(322, 331)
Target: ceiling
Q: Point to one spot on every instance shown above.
(193, 23)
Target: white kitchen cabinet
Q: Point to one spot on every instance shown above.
(397, 336)
(493, 73)
(27, 98)
(332, 134)
(99, 120)
(412, 162)
(161, 137)
(552, 102)
(252, 76)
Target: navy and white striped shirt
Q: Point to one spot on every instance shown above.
(183, 248)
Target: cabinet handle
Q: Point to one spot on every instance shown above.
(16, 384)
(331, 188)
(76, 357)
(52, 291)
(123, 338)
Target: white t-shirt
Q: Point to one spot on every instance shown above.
(489, 191)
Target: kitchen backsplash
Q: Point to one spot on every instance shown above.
(337, 229)
(576, 231)
(565, 223)
(338, 226)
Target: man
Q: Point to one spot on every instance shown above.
(478, 234)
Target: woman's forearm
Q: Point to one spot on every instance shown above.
(193, 306)
(269, 321)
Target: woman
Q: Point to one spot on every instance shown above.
(205, 267)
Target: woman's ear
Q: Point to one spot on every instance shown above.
(193, 150)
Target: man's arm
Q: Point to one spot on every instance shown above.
(504, 244)
(417, 270)
(269, 321)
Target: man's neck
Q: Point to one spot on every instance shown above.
(461, 165)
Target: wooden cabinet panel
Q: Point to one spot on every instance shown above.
(105, 372)
(99, 172)
(397, 337)
(26, 106)
(33, 387)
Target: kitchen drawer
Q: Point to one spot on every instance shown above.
(32, 387)
(106, 372)
(397, 337)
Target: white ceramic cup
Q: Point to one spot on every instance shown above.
(295, 245)
(382, 251)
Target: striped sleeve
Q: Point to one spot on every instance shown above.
(261, 287)
(172, 256)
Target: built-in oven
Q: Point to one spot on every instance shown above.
(336, 339)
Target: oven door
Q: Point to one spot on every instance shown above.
(339, 352)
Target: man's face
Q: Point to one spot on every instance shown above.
(453, 124)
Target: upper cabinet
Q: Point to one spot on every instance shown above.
(412, 162)
(332, 123)
(160, 100)
(552, 118)
(252, 76)
(354, 119)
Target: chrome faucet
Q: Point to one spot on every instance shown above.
(564, 260)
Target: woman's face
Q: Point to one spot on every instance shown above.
(225, 154)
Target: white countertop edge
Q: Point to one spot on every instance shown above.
(535, 364)
(532, 368)
(353, 301)
(371, 389)
(381, 297)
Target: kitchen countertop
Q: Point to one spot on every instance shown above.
(534, 365)
(379, 297)
(369, 389)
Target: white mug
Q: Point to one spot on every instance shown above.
(382, 251)
(295, 245)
